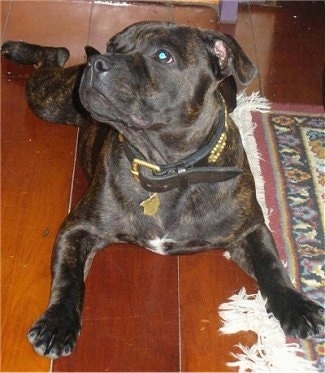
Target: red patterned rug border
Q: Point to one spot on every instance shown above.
(275, 197)
(298, 108)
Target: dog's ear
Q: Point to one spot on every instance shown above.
(91, 51)
(228, 57)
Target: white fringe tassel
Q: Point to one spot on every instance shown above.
(243, 119)
(271, 353)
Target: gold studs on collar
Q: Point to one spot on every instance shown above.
(220, 145)
(218, 148)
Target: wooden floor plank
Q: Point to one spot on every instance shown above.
(107, 20)
(37, 165)
(52, 23)
(205, 281)
(137, 326)
(290, 47)
(130, 320)
(32, 180)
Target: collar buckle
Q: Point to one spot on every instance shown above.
(135, 165)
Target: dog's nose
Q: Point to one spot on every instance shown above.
(99, 63)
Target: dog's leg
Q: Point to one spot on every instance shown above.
(36, 55)
(51, 90)
(54, 334)
(298, 316)
(83, 232)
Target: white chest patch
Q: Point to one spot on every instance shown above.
(160, 245)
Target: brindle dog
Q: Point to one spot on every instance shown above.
(153, 104)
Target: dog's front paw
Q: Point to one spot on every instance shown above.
(54, 334)
(299, 316)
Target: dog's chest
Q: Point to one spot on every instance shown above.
(167, 245)
(181, 228)
(160, 245)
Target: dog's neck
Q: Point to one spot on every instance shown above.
(209, 151)
(199, 166)
(173, 142)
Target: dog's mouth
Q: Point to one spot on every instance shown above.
(139, 121)
(107, 109)
(99, 106)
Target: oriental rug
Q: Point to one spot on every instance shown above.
(290, 147)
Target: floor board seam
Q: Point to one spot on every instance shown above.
(73, 171)
(179, 317)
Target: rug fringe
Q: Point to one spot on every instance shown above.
(243, 119)
(271, 353)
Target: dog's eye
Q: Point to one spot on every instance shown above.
(163, 56)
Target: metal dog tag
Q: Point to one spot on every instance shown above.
(150, 205)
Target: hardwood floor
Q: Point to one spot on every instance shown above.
(142, 312)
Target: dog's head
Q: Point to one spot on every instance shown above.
(154, 73)
(162, 78)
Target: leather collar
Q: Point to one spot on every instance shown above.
(188, 171)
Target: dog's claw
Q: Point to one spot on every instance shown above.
(54, 334)
(299, 316)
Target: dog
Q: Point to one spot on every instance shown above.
(166, 165)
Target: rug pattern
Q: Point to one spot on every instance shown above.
(295, 146)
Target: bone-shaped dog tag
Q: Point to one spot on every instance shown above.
(150, 205)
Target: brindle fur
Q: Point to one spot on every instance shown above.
(167, 111)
